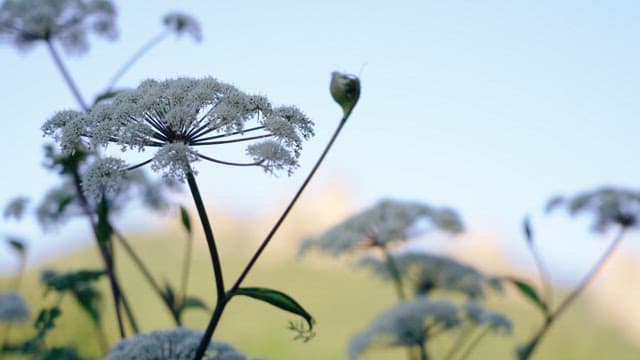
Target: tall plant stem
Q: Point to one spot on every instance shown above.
(104, 252)
(67, 77)
(217, 314)
(208, 233)
(145, 272)
(394, 272)
(475, 343)
(424, 355)
(134, 58)
(552, 317)
(186, 266)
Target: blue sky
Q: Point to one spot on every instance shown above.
(487, 106)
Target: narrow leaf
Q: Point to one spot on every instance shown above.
(526, 228)
(277, 299)
(17, 244)
(192, 302)
(530, 293)
(106, 96)
(186, 221)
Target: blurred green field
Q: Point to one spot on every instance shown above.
(342, 299)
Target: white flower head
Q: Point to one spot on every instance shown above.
(175, 344)
(16, 208)
(608, 205)
(386, 222)
(13, 308)
(427, 272)
(182, 23)
(407, 324)
(105, 177)
(25, 22)
(178, 116)
(67, 128)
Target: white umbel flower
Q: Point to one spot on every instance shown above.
(13, 308)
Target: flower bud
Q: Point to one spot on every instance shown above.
(345, 90)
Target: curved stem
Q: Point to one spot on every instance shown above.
(208, 232)
(551, 318)
(134, 58)
(215, 318)
(67, 77)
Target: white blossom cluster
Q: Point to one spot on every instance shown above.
(16, 208)
(386, 222)
(408, 324)
(13, 308)
(608, 205)
(427, 272)
(174, 344)
(496, 321)
(177, 116)
(25, 22)
(182, 23)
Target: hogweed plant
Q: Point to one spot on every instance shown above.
(177, 118)
(381, 237)
(612, 208)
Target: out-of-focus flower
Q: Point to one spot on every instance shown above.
(427, 273)
(182, 23)
(408, 324)
(177, 116)
(16, 208)
(25, 22)
(608, 205)
(175, 344)
(496, 321)
(13, 308)
(386, 222)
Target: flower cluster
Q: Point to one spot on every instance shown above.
(496, 321)
(13, 308)
(177, 116)
(175, 344)
(408, 324)
(25, 22)
(386, 222)
(608, 205)
(426, 273)
(182, 23)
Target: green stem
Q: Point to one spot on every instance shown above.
(475, 342)
(65, 74)
(544, 273)
(208, 232)
(135, 57)
(394, 272)
(424, 355)
(215, 318)
(186, 266)
(458, 344)
(552, 317)
(104, 253)
(145, 272)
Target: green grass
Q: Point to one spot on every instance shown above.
(343, 300)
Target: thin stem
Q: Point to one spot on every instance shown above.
(67, 77)
(457, 345)
(475, 342)
(208, 232)
(186, 266)
(394, 272)
(104, 253)
(228, 162)
(200, 142)
(543, 272)
(551, 318)
(424, 355)
(215, 318)
(134, 58)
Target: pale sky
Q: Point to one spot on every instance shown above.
(487, 106)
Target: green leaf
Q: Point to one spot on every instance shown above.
(530, 293)
(526, 228)
(169, 296)
(192, 302)
(186, 221)
(17, 244)
(46, 320)
(69, 281)
(88, 297)
(106, 96)
(277, 299)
